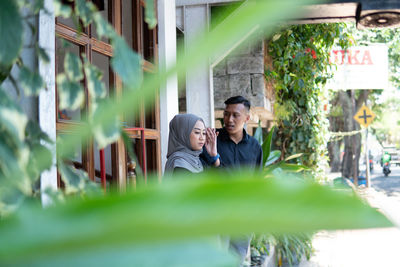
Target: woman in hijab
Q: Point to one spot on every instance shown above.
(187, 136)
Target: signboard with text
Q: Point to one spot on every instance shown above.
(360, 67)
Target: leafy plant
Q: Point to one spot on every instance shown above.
(300, 55)
(271, 158)
(292, 248)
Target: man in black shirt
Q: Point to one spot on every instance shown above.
(236, 149)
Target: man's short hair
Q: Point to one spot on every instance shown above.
(238, 100)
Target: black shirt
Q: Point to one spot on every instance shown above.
(246, 153)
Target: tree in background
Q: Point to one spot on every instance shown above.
(346, 103)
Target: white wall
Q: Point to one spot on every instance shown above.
(47, 98)
(167, 58)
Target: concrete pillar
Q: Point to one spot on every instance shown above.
(167, 58)
(47, 98)
(199, 85)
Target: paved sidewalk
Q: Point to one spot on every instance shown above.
(361, 248)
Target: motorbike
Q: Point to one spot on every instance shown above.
(371, 165)
(386, 169)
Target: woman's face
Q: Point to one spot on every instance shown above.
(198, 136)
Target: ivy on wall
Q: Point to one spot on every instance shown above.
(301, 67)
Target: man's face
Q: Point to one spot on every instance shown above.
(235, 116)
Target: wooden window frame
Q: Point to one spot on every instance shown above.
(88, 44)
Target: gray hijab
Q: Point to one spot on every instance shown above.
(180, 153)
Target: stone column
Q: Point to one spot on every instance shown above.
(199, 86)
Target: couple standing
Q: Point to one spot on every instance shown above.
(192, 146)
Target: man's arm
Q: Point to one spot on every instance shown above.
(207, 159)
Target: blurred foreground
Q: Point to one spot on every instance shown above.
(370, 247)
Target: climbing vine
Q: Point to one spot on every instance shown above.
(301, 67)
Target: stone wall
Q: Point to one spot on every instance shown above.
(269, 85)
(242, 73)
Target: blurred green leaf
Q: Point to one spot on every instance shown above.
(84, 9)
(35, 134)
(73, 67)
(11, 32)
(10, 198)
(273, 156)
(105, 133)
(127, 63)
(95, 86)
(71, 94)
(294, 156)
(11, 116)
(181, 209)
(197, 253)
(8, 158)
(4, 72)
(129, 145)
(43, 54)
(61, 10)
(74, 179)
(258, 134)
(30, 81)
(37, 5)
(292, 167)
(42, 159)
(266, 146)
(103, 28)
(150, 14)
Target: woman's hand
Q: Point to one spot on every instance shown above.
(211, 144)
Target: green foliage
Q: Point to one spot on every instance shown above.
(22, 155)
(292, 248)
(71, 93)
(266, 147)
(300, 69)
(272, 156)
(127, 63)
(11, 27)
(150, 14)
(31, 82)
(180, 209)
(73, 67)
(288, 246)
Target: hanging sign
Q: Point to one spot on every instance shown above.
(360, 67)
(364, 116)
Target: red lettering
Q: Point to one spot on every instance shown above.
(352, 57)
(366, 60)
(334, 57)
(343, 56)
